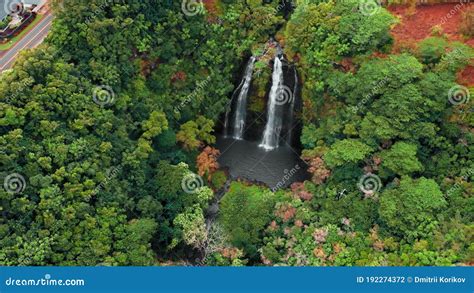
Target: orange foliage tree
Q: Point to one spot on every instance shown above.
(207, 162)
(318, 169)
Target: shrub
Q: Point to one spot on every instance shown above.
(431, 50)
(218, 180)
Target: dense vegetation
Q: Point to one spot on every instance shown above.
(103, 123)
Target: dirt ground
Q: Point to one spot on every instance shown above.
(418, 26)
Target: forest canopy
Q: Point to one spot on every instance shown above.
(107, 134)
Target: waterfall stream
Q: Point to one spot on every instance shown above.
(229, 109)
(271, 135)
(241, 106)
(246, 152)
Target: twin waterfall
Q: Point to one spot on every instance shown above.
(271, 135)
(241, 110)
(276, 104)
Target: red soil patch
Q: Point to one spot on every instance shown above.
(418, 26)
(414, 28)
(466, 77)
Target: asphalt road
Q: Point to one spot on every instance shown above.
(32, 39)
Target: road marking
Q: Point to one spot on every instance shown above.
(27, 43)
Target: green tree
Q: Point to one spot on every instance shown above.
(244, 213)
(346, 151)
(410, 209)
(401, 159)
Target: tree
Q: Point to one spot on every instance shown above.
(195, 133)
(207, 162)
(431, 50)
(346, 151)
(192, 225)
(244, 213)
(401, 159)
(410, 209)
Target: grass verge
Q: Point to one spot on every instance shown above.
(14, 40)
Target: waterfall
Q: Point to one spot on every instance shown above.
(229, 109)
(241, 106)
(271, 135)
(292, 109)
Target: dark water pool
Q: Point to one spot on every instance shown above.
(278, 168)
